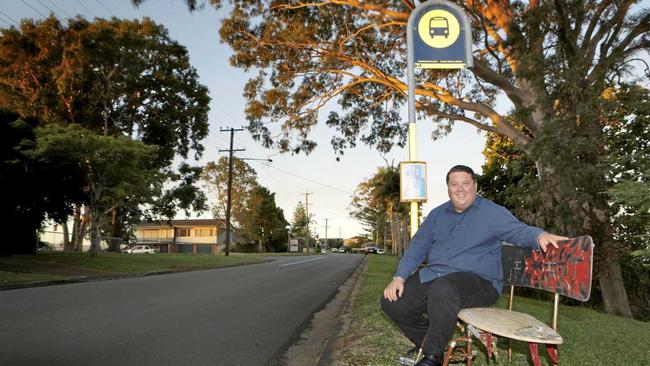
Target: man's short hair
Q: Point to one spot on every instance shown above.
(461, 168)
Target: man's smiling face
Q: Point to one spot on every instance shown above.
(462, 190)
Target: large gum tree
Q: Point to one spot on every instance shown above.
(551, 60)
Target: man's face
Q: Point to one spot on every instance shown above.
(462, 190)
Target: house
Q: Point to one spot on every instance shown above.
(197, 236)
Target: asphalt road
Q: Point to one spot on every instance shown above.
(232, 316)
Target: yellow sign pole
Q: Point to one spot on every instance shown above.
(415, 222)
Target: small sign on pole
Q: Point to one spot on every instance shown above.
(413, 181)
(293, 245)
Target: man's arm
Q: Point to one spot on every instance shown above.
(513, 231)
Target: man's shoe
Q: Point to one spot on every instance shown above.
(413, 351)
(430, 360)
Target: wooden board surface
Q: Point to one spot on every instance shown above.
(510, 324)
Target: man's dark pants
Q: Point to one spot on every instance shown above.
(441, 299)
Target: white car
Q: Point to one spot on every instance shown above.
(138, 249)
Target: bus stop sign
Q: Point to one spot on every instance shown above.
(440, 35)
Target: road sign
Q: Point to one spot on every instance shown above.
(441, 36)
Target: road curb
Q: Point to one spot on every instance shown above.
(313, 342)
(336, 341)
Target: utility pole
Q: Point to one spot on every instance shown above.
(307, 213)
(229, 201)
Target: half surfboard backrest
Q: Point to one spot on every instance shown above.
(565, 270)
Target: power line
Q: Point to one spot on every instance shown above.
(63, 11)
(10, 18)
(9, 24)
(104, 6)
(310, 180)
(50, 10)
(85, 7)
(33, 8)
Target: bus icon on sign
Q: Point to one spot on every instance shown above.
(438, 26)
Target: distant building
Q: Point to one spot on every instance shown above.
(197, 236)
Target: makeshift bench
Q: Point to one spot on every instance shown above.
(564, 271)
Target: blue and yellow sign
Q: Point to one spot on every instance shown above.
(441, 36)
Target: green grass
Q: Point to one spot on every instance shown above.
(17, 277)
(18, 269)
(590, 337)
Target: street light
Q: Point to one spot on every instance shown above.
(269, 160)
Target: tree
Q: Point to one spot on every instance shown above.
(27, 200)
(265, 221)
(114, 168)
(116, 78)
(510, 178)
(377, 200)
(300, 223)
(244, 179)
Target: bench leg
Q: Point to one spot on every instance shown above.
(552, 352)
(469, 347)
(533, 353)
(489, 345)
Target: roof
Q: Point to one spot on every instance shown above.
(178, 223)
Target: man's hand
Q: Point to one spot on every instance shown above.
(395, 289)
(544, 239)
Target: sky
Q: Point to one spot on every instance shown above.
(329, 183)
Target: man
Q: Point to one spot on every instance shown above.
(461, 243)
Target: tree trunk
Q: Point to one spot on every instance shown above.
(95, 237)
(76, 227)
(610, 279)
(66, 234)
(116, 231)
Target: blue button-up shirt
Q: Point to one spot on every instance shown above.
(469, 241)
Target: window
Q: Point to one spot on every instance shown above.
(150, 234)
(183, 232)
(204, 232)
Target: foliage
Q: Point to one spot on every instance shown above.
(244, 179)
(377, 201)
(27, 200)
(265, 221)
(628, 144)
(300, 222)
(511, 178)
(115, 168)
(115, 78)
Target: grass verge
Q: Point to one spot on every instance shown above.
(591, 337)
(63, 266)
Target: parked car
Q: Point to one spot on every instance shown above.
(335, 250)
(370, 249)
(140, 249)
(380, 251)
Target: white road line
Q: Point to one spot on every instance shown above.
(305, 261)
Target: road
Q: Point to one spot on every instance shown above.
(231, 316)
